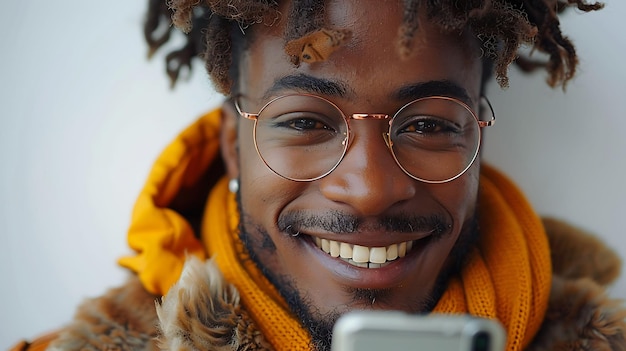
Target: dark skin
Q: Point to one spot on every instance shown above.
(368, 186)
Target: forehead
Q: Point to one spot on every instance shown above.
(369, 63)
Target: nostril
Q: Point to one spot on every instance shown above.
(368, 194)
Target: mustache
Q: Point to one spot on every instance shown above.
(343, 223)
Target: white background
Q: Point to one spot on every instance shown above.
(83, 115)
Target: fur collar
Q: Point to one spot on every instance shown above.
(203, 312)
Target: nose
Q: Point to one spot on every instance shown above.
(368, 179)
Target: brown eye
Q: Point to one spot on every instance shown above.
(426, 126)
(306, 124)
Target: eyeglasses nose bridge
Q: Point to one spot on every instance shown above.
(369, 116)
(377, 116)
(362, 116)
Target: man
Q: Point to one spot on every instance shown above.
(343, 173)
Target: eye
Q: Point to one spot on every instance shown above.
(427, 126)
(305, 121)
(306, 124)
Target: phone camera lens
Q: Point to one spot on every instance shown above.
(481, 341)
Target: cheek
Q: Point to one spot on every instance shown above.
(459, 196)
(256, 179)
(263, 193)
(250, 163)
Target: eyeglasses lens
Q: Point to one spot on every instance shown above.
(303, 137)
(435, 139)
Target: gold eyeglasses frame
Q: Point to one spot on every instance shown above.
(386, 135)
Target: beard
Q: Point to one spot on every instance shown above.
(320, 325)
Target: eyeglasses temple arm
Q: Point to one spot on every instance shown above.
(246, 115)
(491, 121)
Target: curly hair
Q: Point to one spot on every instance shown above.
(214, 31)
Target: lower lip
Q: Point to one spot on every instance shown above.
(385, 277)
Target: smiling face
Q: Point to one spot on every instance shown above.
(407, 232)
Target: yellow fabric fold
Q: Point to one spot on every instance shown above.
(507, 276)
(161, 237)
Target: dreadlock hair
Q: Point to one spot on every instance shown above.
(214, 31)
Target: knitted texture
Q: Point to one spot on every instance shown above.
(507, 276)
(258, 295)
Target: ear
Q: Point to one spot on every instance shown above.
(228, 139)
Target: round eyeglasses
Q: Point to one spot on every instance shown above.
(304, 137)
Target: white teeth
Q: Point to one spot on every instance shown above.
(360, 254)
(392, 252)
(345, 250)
(402, 249)
(334, 248)
(378, 255)
(326, 245)
(363, 256)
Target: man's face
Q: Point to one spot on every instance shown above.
(356, 202)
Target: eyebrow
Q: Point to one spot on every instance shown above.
(306, 83)
(309, 84)
(434, 87)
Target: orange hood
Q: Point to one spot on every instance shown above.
(169, 208)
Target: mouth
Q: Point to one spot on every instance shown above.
(363, 256)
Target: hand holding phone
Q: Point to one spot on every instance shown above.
(394, 330)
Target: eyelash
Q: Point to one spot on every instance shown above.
(444, 126)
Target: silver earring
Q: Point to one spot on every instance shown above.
(233, 185)
(292, 231)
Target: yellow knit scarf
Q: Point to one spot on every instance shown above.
(507, 278)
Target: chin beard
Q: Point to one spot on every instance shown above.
(320, 325)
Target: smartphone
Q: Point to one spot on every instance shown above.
(393, 330)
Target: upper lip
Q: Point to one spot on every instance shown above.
(364, 231)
